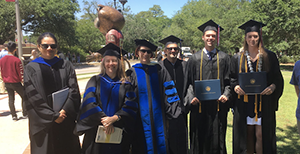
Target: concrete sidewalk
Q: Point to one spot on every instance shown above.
(14, 138)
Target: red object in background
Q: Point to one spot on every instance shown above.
(10, 0)
(114, 36)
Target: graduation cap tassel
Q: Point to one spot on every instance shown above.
(261, 40)
(218, 106)
(218, 40)
(122, 57)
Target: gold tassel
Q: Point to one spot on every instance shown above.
(239, 96)
(260, 102)
(255, 109)
(245, 98)
(200, 107)
(218, 106)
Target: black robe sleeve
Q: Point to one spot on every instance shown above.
(40, 113)
(72, 103)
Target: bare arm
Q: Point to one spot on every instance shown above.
(297, 90)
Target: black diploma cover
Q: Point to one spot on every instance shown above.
(253, 83)
(208, 89)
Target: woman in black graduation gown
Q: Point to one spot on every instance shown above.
(51, 131)
(158, 102)
(108, 101)
(254, 121)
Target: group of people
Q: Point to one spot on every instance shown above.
(150, 101)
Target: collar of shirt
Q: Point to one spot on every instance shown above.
(206, 52)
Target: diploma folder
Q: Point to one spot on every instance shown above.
(59, 98)
(206, 90)
(114, 138)
(253, 83)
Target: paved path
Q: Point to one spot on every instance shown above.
(14, 137)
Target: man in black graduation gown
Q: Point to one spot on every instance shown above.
(208, 119)
(177, 134)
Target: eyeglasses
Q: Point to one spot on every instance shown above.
(170, 49)
(148, 51)
(46, 46)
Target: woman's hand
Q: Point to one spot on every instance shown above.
(269, 90)
(110, 129)
(62, 116)
(239, 90)
(108, 121)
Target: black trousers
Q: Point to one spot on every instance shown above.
(11, 88)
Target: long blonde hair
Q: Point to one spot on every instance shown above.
(266, 63)
(120, 72)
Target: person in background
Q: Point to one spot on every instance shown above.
(254, 120)
(295, 80)
(12, 75)
(158, 102)
(3, 52)
(78, 58)
(34, 55)
(51, 131)
(176, 69)
(108, 101)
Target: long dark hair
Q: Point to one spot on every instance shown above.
(47, 34)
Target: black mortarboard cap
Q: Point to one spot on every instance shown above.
(252, 26)
(210, 25)
(111, 50)
(170, 40)
(145, 43)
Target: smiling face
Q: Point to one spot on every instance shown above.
(209, 39)
(172, 51)
(252, 39)
(111, 66)
(144, 55)
(47, 53)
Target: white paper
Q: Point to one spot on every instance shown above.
(114, 138)
(59, 99)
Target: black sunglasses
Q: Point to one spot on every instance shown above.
(46, 46)
(148, 51)
(176, 49)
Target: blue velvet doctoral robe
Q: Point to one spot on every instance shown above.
(158, 102)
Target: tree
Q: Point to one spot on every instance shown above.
(283, 24)
(39, 16)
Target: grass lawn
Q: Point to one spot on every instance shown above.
(288, 140)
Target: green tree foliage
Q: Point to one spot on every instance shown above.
(283, 24)
(144, 25)
(40, 16)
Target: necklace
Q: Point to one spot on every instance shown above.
(259, 66)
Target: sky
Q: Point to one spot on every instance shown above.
(170, 7)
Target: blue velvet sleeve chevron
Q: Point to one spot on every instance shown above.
(169, 84)
(171, 92)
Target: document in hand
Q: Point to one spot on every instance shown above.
(114, 138)
(253, 83)
(207, 89)
(59, 99)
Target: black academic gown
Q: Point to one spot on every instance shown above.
(269, 106)
(46, 136)
(208, 128)
(106, 97)
(158, 103)
(178, 127)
